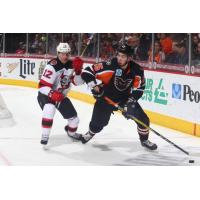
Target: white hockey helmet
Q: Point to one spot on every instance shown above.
(63, 48)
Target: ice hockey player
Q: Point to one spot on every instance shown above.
(55, 83)
(122, 80)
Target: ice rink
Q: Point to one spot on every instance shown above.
(116, 145)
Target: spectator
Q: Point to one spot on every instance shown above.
(159, 56)
(38, 45)
(1, 42)
(34, 44)
(108, 44)
(183, 53)
(195, 41)
(166, 43)
(85, 40)
(145, 44)
(172, 56)
(72, 39)
(139, 49)
(107, 50)
(197, 55)
(179, 54)
(91, 50)
(115, 38)
(21, 49)
(53, 40)
(157, 36)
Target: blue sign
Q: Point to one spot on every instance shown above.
(176, 91)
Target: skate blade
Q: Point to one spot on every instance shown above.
(74, 139)
(150, 150)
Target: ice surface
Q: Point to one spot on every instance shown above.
(6, 118)
(117, 144)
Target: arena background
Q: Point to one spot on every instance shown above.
(171, 63)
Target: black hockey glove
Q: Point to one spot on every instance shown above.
(129, 107)
(98, 92)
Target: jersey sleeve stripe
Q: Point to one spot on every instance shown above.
(43, 83)
(105, 77)
(104, 72)
(88, 72)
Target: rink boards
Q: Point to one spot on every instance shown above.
(170, 100)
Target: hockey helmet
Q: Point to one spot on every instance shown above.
(63, 48)
(124, 48)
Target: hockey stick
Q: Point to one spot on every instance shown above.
(143, 124)
(87, 44)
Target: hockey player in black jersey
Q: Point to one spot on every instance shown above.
(122, 80)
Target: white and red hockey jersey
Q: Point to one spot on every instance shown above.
(58, 76)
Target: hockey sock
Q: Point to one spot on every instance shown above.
(143, 133)
(46, 126)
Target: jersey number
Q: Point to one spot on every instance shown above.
(47, 73)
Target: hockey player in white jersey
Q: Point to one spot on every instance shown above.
(58, 76)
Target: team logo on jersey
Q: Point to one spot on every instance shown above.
(64, 81)
(121, 84)
(118, 72)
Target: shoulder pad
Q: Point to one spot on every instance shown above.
(53, 62)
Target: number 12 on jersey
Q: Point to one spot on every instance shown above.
(47, 73)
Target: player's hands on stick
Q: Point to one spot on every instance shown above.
(56, 96)
(77, 64)
(98, 91)
(129, 107)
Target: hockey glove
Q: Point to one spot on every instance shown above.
(129, 107)
(77, 64)
(55, 96)
(98, 92)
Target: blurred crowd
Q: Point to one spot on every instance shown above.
(196, 49)
(171, 48)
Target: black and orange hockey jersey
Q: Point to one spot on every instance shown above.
(118, 84)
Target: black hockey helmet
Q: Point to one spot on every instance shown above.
(124, 48)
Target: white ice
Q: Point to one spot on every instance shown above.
(117, 144)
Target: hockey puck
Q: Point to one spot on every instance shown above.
(191, 161)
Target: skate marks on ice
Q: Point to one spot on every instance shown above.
(166, 155)
(100, 151)
(92, 153)
(133, 154)
(115, 153)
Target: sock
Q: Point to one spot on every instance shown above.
(47, 119)
(70, 130)
(143, 133)
(46, 126)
